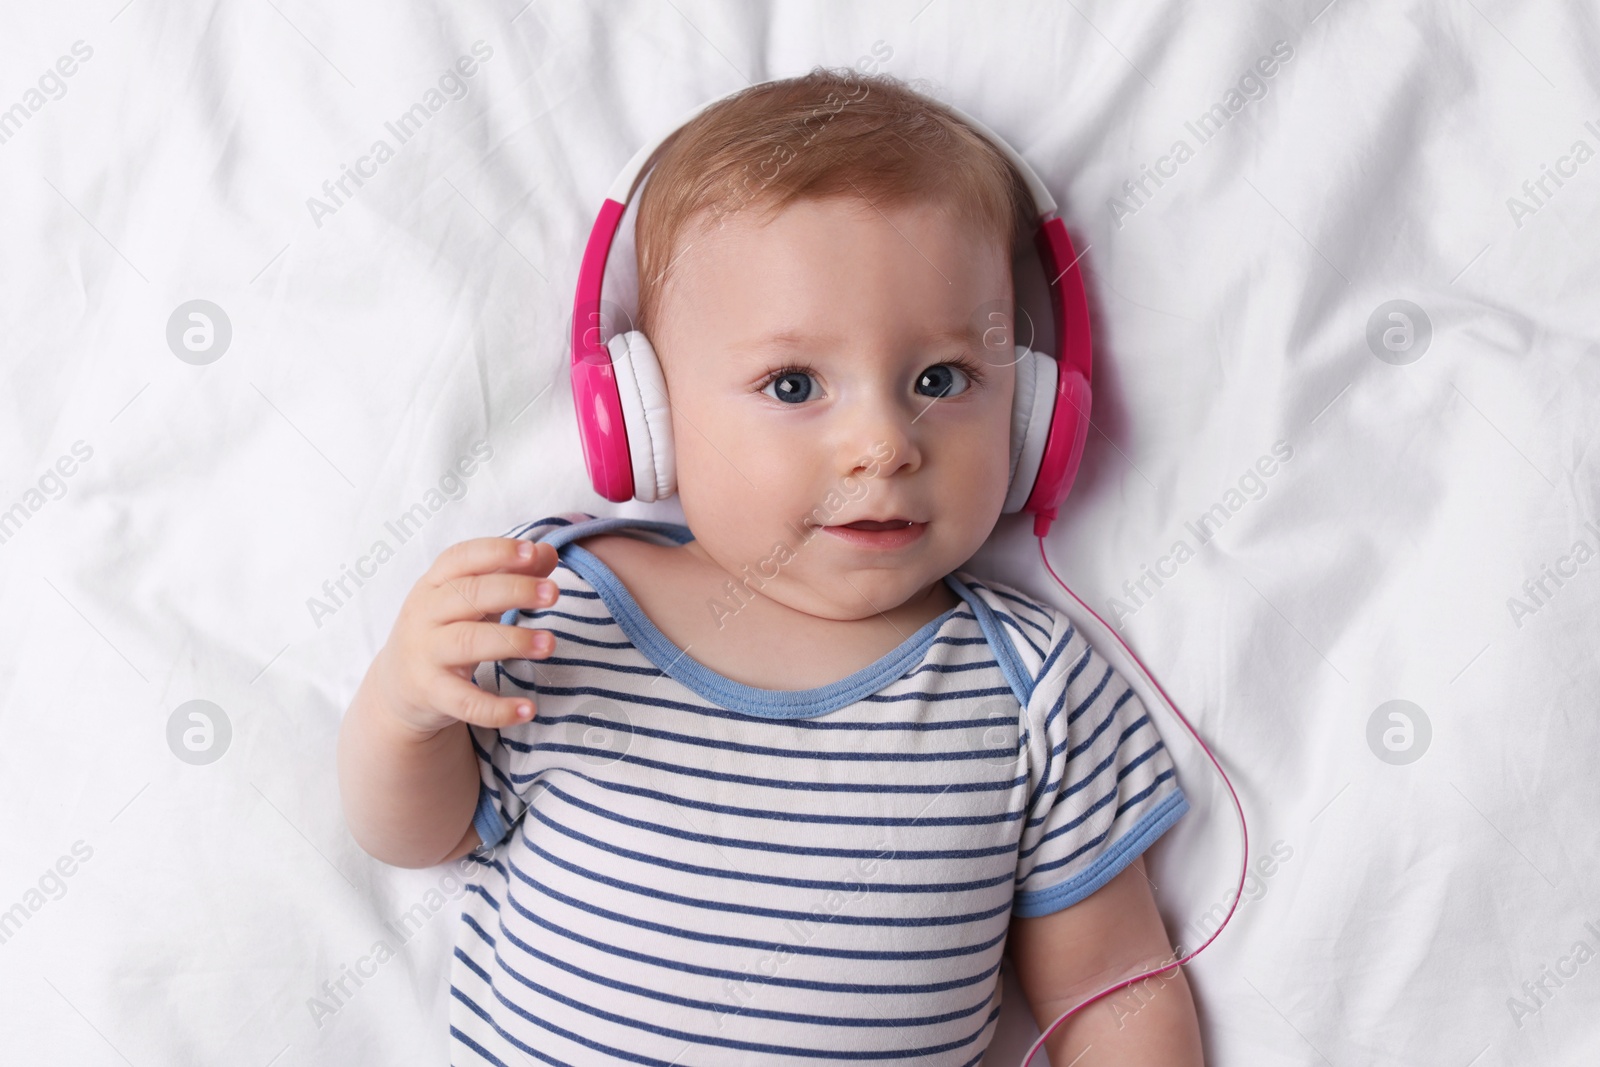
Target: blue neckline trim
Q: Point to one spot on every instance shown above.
(1000, 643)
(770, 703)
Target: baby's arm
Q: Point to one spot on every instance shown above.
(408, 775)
(1110, 935)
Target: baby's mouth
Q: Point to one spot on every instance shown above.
(879, 533)
(878, 524)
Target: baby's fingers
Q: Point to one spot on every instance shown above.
(467, 644)
(460, 699)
(484, 596)
(486, 555)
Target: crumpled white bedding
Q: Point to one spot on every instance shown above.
(1342, 274)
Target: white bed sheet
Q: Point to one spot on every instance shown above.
(379, 338)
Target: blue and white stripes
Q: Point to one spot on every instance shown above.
(683, 870)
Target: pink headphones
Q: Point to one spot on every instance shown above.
(624, 416)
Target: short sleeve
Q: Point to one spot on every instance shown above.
(1102, 786)
(506, 779)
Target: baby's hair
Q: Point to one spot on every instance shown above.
(822, 134)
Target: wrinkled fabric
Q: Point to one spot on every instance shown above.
(179, 524)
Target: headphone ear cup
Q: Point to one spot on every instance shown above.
(1032, 413)
(646, 415)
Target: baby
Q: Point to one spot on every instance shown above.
(782, 785)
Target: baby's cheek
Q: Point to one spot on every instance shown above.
(971, 500)
(984, 460)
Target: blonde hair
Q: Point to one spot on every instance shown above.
(822, 134)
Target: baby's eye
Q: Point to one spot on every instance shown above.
(942, 381)
(792, 387)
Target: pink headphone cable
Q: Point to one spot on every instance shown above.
(1244, 833)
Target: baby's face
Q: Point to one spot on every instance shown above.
(830, 366)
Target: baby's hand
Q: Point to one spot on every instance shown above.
(442, 633)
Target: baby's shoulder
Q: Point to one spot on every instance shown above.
(1034, 633)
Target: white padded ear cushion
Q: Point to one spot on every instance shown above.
(1033, 408)
(646, 415)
